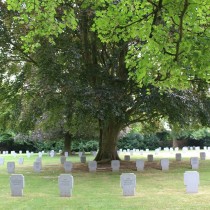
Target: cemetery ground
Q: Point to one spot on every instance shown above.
(155, 189)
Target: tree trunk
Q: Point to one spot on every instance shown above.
(67, 142)
(108, 145)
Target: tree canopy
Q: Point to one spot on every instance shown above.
(116, 62)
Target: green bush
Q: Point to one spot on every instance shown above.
(138, 141)
(84, 145)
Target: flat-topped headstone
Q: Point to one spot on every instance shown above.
(92, 166)
(150, 158)
(68, 166)
(140, 165)
(127, 157)
(191, 181)
(20, 152)
(11, 167)
(178, 156)
(164, 164)
(1, 161)
(83, 159)
(66, 154)
(65, 183)
(20, 160)
(194, 161)
(80, 154)
(63, 159)
(115, 164)
(17, 184)
(141, 152)
(28, 154)
(37, 166)
(128, 183)
(202, 155)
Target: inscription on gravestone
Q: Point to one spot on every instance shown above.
(128, 183)
(17, 184)
(65, 183)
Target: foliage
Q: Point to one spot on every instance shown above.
(169, 40)
(138, 141)
(84, 145)
(114, 82)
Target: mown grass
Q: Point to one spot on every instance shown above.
(155, 189)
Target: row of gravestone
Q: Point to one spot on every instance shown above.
(92, 165)
(127, 183)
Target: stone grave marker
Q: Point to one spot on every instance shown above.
(83, 159)
(52, 153)
(17, 184)
(115, 164)
(164, 164)
(67, 166)
(194, 162)
(127, 157)
(141, 152)
(28, 154)
(40, 154)
(20, 160)
(37, 166)
(178, 156)
(11, 167)
(80, 154)
(65, 183)
(140, 165)
(66, 154)
(202, 155)
(63, 159)
(92, 166)
(191, 181)
(1, 161)
(128, 183)
(20, 152)
(150, 158)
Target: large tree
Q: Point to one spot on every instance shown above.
(135, 44)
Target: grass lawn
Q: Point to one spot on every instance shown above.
(101, 190)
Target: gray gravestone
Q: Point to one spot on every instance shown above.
(1, 161)
(20, 160)
(67, 166)
(115, 164)
(150, 158)
(194, 162)
(164, 164)
(191, 181)
(65, 183)
(37, 166)
(17, 184)
(92, 166)
(127, 157)
(63, 159)
(11, 167)
(140, 165)
(202, 155)
(178, 156)
(83, 159)
(128, 183)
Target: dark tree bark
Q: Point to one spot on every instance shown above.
(67, 142)
(108, 145)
